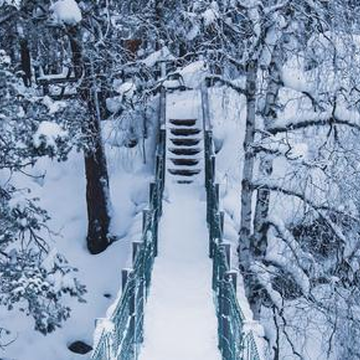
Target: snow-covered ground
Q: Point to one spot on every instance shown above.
(180, 319)
(62, 193)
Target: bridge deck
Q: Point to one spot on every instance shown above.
(180, 317)
(180, 320)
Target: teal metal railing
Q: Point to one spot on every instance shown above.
(234, 342)
(119, 336)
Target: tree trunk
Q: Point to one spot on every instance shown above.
(259, 241)
(158, 21)
(24, 56)
(266, 163)
(97, 180)
(245, 255)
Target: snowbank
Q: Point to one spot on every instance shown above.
(47, 134)
(62, 193)
(194, 74)
(163, 54)
(66, 12)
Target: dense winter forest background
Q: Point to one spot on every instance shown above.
(78, 87)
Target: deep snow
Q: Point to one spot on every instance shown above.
(62, 193)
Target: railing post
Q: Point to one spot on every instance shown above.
(222, 219)
(145, 220)
(152, 195)
(214, 232)
(231, 276)
(217, 196)
(126, 277)
(210, 205)
(159, 181)
(139, 291)
(213, 166)
(158, 170)
(227, 251)
(215, 275)
(155, 199)
(223, 319)
(229, 345)
(125, 273)
(211, 239)
(162, 152)
(136, 246)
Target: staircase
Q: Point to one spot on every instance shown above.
(184, 151)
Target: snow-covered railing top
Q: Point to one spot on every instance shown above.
(119, 335)
(235, 342)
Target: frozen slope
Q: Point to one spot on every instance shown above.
(180, 321)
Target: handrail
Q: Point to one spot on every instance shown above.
(162, 107)
(234, 342)
(120, 334)
(205, 107)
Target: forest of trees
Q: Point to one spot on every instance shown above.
(279, 55)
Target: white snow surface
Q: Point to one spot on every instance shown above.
(183, 105)
(194, 74)
(211, 14)
(15, 3)
(160, 55)
(48, 132)
(180, 320)
(62, 193)
(66, 12)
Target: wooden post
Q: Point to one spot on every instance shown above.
(226, 248)
(155, 234)
(211, 240)
(136, 245)
(226, 332)
(125, 273)
(140, 306)
(228, 254)
(224, 319)
(231, 276)
(213, 166)
(139, 294)
(145, 219)
(154, 211)
(157, 165)
(217, 196)
(222, 218)
(215, 267)
(152, 196)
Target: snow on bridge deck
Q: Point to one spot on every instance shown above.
(180, 320)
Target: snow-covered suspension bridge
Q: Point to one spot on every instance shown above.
(179, 299)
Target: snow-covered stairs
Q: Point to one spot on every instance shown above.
(185, 139)
(184, 150)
